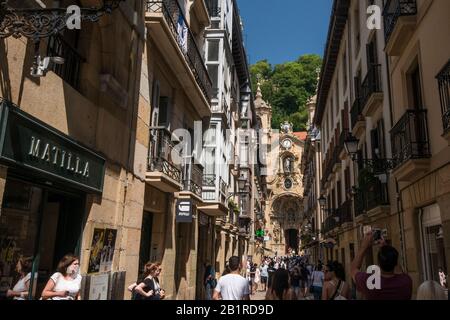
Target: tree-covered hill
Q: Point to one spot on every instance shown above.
(287, 87)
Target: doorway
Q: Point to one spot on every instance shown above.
(146, 240)
(292, 240)
(38, 222)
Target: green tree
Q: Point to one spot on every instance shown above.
(287, 87)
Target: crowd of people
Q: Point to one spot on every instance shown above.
(293, 277)
(289, 277)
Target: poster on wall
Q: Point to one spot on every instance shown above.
(102, 250)
(99, 287)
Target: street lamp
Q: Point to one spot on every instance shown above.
(322, 202)
(242, 182)
(351, 146)
(43, 22)
(37, 23)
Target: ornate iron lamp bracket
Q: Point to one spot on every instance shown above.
(38, 23)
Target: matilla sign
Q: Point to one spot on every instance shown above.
(27, 142)
(184, 211)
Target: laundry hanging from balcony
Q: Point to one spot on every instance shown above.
(182, 33)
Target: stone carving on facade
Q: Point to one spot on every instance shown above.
(286, 127)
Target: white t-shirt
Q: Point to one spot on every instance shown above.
(21, 286)
(232, 287)
(317, 278)
(61, 284)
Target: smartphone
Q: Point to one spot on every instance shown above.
(377, 234)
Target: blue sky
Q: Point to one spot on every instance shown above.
(282, 30)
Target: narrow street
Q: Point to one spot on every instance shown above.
(164, 149)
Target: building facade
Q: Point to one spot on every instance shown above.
(374, 94)
(67, 174)
(113, 163)
(283, 214)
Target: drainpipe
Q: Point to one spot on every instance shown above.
(401, 226)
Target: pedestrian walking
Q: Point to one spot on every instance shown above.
(149, 288)
(280, 288)
(264, 275)
(295, 281)
(232, 286)
(209, 282)
(317, 282)
(335, 287)
(257, 278)
(65, 284)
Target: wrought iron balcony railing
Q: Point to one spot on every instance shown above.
(370, 196)
(193, 177)
(69, 71)
(393, 10)
(161, 150)
(213, 8)
(355, 112)
(444, 92)
(371, 84)
(179, 27)
(223, 187)
(410, 137)
(331, 221)
(209, 180)
(377, 166)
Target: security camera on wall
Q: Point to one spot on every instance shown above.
(41, 65)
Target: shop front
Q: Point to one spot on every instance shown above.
(46, 177)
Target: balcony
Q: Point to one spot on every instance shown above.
(342, 137)
(371, 91)
(69, 71)
(331, 222)
(410, 145)
(214, 197)
(358, 121)
(336, 162)
(372, 199)
(163, 172)
(399, 24)
(168, 27)
(443, 78)
(213, 8)
(193, 179)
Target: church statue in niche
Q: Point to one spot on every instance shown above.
(286, 127)
(288, 165)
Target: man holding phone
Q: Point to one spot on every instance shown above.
(394, 284)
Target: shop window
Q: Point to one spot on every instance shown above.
(433, 250)
(37, 222)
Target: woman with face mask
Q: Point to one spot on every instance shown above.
(65, 284)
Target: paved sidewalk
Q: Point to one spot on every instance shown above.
(260, 295)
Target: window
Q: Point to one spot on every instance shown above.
(357, 27)
(415, 87)
(444, 92)
(213, 50)
(345, 72)
(213, 70)
(433, 249)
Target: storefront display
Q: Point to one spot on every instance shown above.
(43, 208)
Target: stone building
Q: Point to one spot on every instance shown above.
(104, 154)
(68, 180)
(384, 164)
(284, 203)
